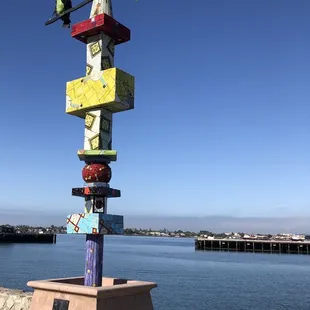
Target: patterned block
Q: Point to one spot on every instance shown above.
(98, 130)
(96, 191)
(111, 89)
(95, 223)
(100, 156)
(99, 53)
(95, 204)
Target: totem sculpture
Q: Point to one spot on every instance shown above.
(104, 90)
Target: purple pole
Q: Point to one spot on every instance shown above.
(93, 261)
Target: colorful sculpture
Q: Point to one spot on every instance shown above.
(104, 90)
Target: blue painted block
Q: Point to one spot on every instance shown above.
(95, 223)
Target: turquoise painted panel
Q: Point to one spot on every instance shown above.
(95, 223)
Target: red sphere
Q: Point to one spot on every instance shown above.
(97, 173)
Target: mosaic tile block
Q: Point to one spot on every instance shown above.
(96, 191)
(95, 204)
(112, 89)
(95, 223)
(99, 53)
(97, 155)
(98, 130)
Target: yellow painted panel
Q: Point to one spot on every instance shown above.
(111, 89)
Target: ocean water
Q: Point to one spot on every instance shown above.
(186, 279)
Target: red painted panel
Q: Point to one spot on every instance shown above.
(101, 23)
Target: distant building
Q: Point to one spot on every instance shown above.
(298, 238)
(7, 229)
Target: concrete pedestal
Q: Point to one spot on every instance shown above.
(71, 294)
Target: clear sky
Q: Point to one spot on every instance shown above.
(221, 124)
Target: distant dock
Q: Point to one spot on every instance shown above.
(27, 238)
(253, 246)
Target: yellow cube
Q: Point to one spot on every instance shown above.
(111, 89)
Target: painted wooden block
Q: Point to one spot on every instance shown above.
(98, 130)
(111, 89)
(95, 204)
(95, 223)
(99, 53)
(97, 155)
(101, 23)
(96, 191)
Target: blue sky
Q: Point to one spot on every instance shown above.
(221, 124)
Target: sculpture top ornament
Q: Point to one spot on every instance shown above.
(63, 9)
(101, 6)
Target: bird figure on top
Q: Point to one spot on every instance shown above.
(61, 6)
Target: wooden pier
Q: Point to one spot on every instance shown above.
(27, 238)
(253, 246)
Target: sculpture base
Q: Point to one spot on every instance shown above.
(71, 294)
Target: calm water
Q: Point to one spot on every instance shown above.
(187, 279)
